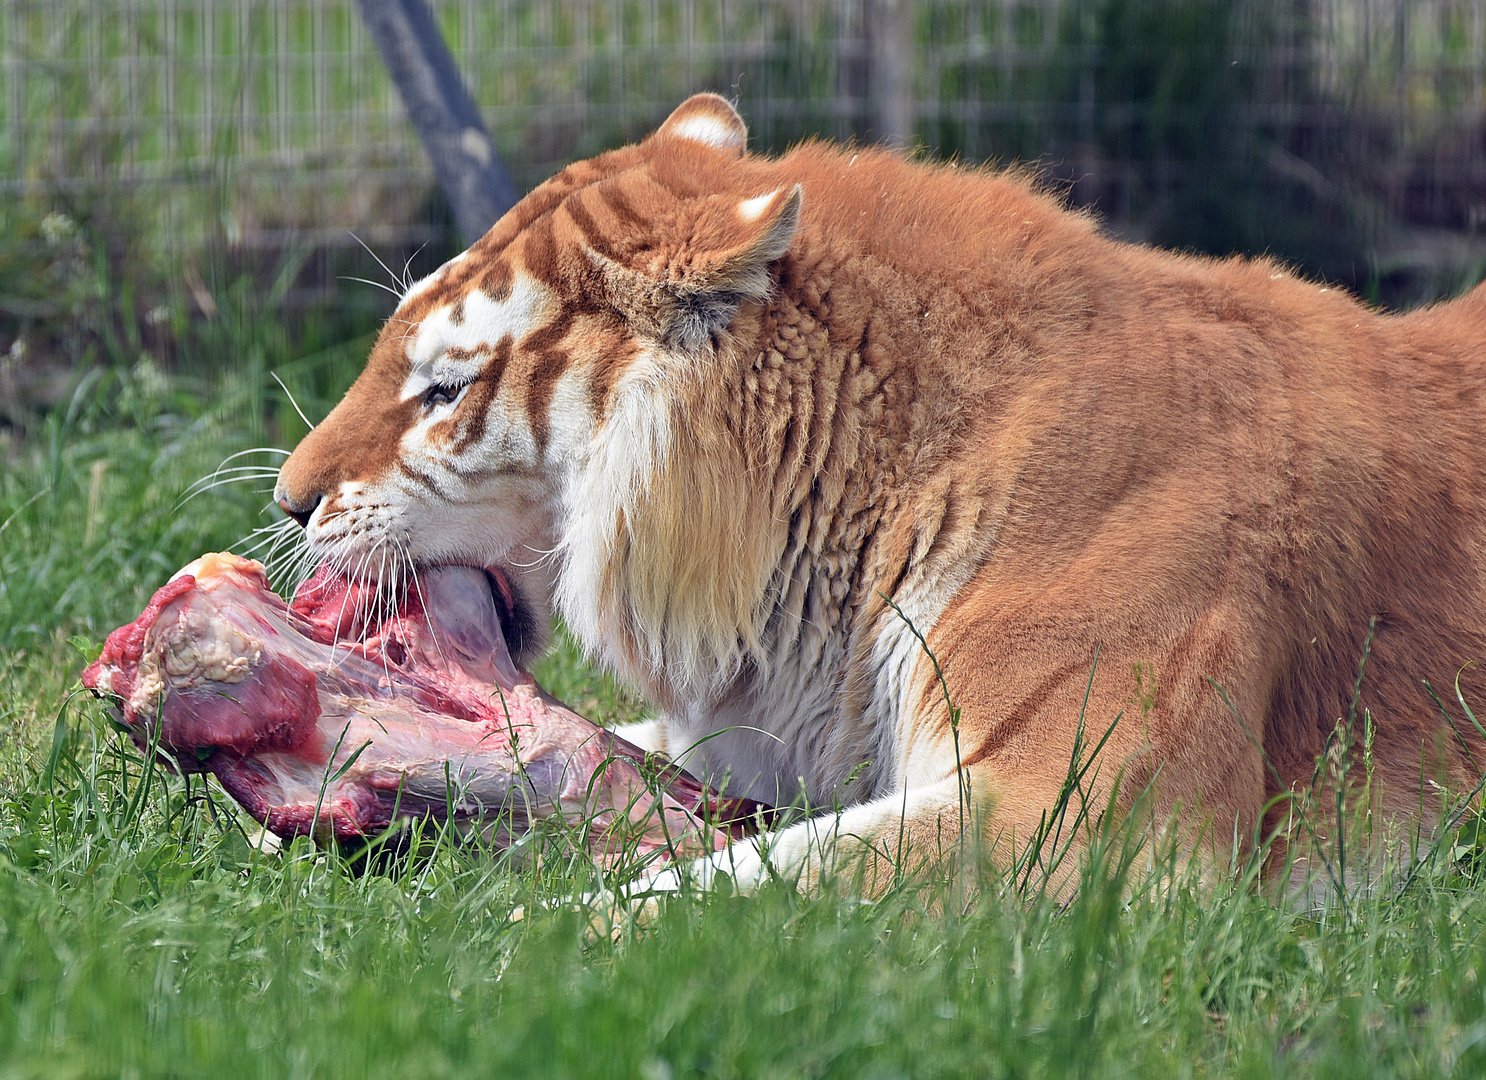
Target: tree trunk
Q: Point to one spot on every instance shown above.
(448, 124)
(890, 30)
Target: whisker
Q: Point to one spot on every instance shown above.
(263, 533)
(257, 450)
(247, 472)
(423, 602)
(386, 608)
(290, 395)
(544, 557)
(368, 281)
(374, 255)
(201, 487)
(267, 470)
(259, 538)
(224, 473)
(298, 568)
(236, 470)
(273, 536)
(271, 527)
(407, 277)
(346, 598)
(282, 567)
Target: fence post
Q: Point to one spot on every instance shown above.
(442, 111)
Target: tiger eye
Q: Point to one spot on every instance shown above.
(440, 395)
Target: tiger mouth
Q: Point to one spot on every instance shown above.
(354, 607)
(517, 622)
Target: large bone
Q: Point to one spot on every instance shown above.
(325, 719)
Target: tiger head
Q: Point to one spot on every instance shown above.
(545, 405)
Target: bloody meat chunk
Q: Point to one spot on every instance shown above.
(344, 712)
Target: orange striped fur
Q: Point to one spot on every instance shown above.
(717, 409)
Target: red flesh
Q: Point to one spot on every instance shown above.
(321, 718)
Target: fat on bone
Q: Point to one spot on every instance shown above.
(335, 716)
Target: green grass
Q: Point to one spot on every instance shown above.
(140, 935)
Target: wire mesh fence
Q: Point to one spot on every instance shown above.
(1329, 131)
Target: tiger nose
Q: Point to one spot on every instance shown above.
(300, 512)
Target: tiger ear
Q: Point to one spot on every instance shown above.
(685, 296)
(708, 119)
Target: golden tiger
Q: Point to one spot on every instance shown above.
(753, 425)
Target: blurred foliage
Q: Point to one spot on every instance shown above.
(1254, 126)
(202, 160)
(86, 283)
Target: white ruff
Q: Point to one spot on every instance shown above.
(603, 485)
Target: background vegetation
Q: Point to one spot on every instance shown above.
(178, 180)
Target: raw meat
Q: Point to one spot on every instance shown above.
(330, 718)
